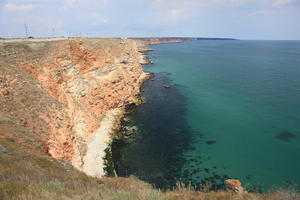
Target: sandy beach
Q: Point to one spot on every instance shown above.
(99, 141)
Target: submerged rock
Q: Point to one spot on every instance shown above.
(126, 119)
(129, 130)
(285, 136)
(211, 142)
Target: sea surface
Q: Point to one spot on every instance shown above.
(232, 111)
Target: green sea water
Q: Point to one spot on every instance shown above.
(233, 111)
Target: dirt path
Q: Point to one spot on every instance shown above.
(31, 40)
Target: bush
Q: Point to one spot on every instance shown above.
(54, 186)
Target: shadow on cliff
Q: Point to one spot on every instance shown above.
(154, 153)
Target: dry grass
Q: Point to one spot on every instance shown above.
(28, 175)
(187, 194)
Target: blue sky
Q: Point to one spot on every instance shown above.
(241, 19)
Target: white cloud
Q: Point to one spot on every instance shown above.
(14, 7)
(172, 16)
(67, 4)
(232, 3)
(98, 19)
(204, 2)
(175, 12)
(70, 2)
(260, 13)
(283, 2)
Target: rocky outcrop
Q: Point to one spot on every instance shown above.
(234, 186)
(61, 91)
(143, 45)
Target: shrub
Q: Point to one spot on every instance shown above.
(54, 186)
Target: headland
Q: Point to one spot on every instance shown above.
(60, 101)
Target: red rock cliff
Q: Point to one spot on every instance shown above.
(60, 91)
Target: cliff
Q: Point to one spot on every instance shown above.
(62, 96)
(59, 101)
(143, 43)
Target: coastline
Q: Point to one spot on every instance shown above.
(129, 164)
(143, 47)
(96, 159)
(111, 132)
(68, 107)
(79, 87)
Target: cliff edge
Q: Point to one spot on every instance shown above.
(63, 97)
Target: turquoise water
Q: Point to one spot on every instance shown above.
(233, 111)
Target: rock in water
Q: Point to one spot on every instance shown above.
(285, 136)
(234, 185)
(210, 142)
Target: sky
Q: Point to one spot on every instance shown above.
(240, 19)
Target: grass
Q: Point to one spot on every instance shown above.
(28, 175)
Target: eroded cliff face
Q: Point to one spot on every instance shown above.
(58, 93)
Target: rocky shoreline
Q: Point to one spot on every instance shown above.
(125, 133)
(64, 91)
(103, 152)
(122, 131)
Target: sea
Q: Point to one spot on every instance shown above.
(216, 110)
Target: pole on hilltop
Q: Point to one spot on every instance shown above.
(26, 32)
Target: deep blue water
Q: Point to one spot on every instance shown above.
(233, 111)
